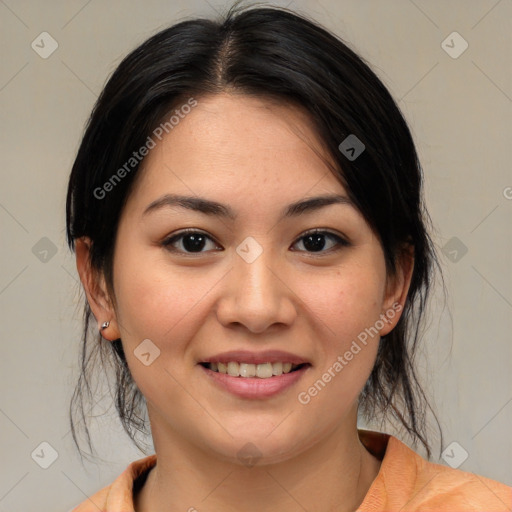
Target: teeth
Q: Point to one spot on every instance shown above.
(249, 370)
(262, 371)
(233, 369)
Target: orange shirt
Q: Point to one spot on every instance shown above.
(406, 482)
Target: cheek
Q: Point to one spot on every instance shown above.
(345, 307)
(147, 298)
(346, 302)
(158, 305)
(161, 303)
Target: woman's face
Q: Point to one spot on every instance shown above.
(249, 282)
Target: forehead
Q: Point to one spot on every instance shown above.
(238, 148)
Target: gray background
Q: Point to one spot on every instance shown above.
(459, 110)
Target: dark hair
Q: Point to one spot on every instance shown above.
(276, 54)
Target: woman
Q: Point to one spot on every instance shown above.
(246, 211)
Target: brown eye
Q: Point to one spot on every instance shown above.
(191, 242)
(315, 241)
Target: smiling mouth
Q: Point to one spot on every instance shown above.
(248, 370)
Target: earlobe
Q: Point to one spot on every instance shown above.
(397, 290)
(96, 291)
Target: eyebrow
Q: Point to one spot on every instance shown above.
(213, 208)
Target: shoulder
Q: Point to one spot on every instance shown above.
(119, 494)
(408, 482)
(446, 488)
(94, 503)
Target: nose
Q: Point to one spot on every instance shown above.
(256, 295)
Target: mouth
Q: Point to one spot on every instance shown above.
(266, 370)
(250, 381)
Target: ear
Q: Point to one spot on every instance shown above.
(397, 287)
(96, 290)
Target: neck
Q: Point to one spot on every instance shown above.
(333, 474)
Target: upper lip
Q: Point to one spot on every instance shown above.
(245, 356)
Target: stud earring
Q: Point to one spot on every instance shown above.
(104, 325)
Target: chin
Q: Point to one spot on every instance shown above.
(256, 446)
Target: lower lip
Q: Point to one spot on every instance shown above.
(254, 387)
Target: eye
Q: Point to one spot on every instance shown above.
(193, 241)
(314, 241)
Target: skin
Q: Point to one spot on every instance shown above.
(257, 157)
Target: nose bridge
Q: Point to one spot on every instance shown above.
(256, 297)
(254, 274)
(252, 270)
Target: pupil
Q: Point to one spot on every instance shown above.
(314, 242)
(197, 242)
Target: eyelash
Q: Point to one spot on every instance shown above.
(167, 242)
